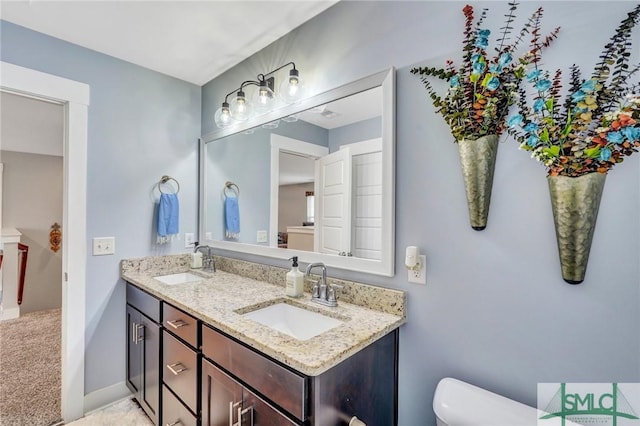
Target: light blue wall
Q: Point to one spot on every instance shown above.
(357, 132)
(142, 125)
(495, 310)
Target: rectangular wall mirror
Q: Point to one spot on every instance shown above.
(315, 179)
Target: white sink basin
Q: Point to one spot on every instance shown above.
(294, 321)
(179, 278)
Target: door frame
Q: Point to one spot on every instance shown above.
(74, 96)
(290, 145)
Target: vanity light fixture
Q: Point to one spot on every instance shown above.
(265, 99)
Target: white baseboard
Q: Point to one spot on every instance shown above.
(10, 313)
(101, 398)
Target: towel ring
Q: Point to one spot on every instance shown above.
(230, 186)
(164, 179)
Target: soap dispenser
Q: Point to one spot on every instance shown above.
(295, 280)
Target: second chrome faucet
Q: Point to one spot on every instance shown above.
(322, 293)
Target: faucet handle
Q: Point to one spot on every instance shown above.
(315, 290)
(331, 297)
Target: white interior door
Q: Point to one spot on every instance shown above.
(333, 203)
(367, 211)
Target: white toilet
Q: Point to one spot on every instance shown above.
(457, 403)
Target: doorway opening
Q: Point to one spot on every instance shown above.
(74, 97)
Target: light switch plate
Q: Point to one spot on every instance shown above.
(104, 245)
(189, 240)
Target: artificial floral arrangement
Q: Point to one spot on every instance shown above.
(599, 121)
(483, 87)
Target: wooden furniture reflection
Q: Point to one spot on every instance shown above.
(300, 237)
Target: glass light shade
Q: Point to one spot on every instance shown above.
(291, 88)
(222, 116)
(264, 99)
(290, 118)
(271, 125)
(240, 107)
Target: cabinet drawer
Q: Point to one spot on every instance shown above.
(181, 324)
(279, 384)
(144, 302)
(173, 412)
(180, 371)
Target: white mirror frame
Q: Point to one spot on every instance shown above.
(385, 266)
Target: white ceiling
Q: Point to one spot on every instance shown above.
(191, 40)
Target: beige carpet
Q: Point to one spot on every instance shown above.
(30, 369)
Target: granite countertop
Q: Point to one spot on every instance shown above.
(221, 297)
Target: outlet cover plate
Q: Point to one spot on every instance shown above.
(261, 237)
(419, 276)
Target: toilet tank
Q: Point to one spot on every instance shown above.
(457, 403)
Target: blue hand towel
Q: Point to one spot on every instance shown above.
(232, 217)
(168, 217)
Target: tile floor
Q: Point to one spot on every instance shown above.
(124, 413)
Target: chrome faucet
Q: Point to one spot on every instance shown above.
(322, 293)
(208, 262)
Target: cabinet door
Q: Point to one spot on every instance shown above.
(134, 351)
(256, 412)
(221, 397)
(150, 391)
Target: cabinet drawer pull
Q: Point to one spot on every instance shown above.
(177, 323)
(176, 371)
(139, 334)
(134, 332)
(241, 414)
(232, 405)
(177, 422)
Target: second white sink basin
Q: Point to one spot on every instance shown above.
(179, 278)
(294, 321)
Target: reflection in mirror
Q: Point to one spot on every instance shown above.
(315, 181)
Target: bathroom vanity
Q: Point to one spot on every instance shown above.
(194, 357)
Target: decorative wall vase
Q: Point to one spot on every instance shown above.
(478, 159)
(575, 202)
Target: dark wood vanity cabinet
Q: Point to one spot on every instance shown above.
(242, 387)
(184, 372)
(143, 348)
(226, 402)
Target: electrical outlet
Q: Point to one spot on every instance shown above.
(261, 237)
(189, 240)
(207, 236)
(104, 245)
(419, 276)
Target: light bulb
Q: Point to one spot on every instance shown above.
(291, 88)
(240, 107)
(222, 116)
(263, 98)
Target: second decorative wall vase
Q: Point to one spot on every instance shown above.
(575, 202)
(478, 160)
